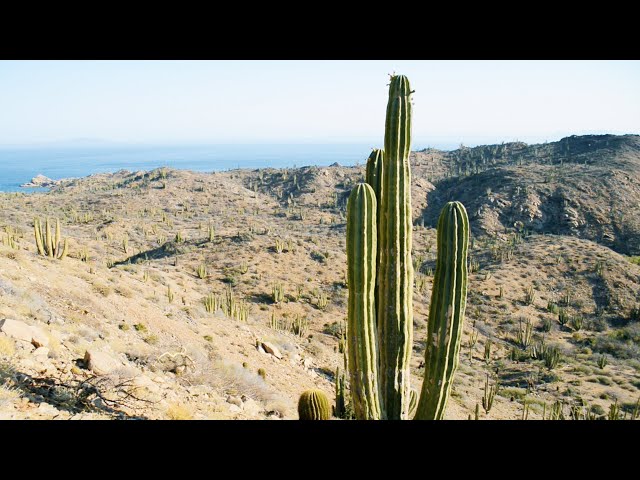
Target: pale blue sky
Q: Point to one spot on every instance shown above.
(312, 101)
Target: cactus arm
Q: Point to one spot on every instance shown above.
(38, 234)
(395, 269)
(361, 271)
(56, 240)
(375, 171)
(374, 176)
(49, 239)
(65, 249)
(446, 312)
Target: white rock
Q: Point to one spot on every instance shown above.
(100, 363)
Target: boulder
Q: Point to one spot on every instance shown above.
(101, 363)
(272, 349)
(21, 331)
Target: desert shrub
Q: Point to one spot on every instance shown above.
(622, 343)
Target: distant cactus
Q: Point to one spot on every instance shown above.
(602, 362)
(323, 301)
(530, 296)
(314, 405)
(563, 317)
(551, 357)
(489, 395)
(487, 351)
(341, 403)
(49, 245)
(201, 271)
(277, 292)
(262, 373)
(212, 303)
(525, 333)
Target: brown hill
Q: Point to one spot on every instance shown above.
(586, 187)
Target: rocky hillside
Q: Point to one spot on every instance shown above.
(193, 295)
(588, 187)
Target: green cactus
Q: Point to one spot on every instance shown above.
(395, 268)
(361, 273)
(446, 312)
(375, 172)
(47, 244)
(374, 176)
(340, 409)
(314, 405)
(379, 240)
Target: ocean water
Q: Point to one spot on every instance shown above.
(18, 166)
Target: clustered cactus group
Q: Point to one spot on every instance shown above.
(48, 244)
(380, 279)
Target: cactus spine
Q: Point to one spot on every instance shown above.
(46, 243)
(446, 312)
(361, 272)
(390, 331)
(314, 405)
(395, 268)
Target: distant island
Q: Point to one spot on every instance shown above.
(40, 181)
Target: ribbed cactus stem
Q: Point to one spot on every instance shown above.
(395, 269)
(38, 234)
(49, 238)
(65, 249)
(446, 312)
(374, 175)
(375, 171)
(56, 241)
(314, 405)
(362, 344)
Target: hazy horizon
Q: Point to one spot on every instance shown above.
(231, 102)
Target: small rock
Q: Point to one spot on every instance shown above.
(235, 409)
(272, 349)
(100, 362)
(235, 401)
(261, 350)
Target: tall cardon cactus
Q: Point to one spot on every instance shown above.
(380, 315)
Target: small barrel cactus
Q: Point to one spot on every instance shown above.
(314, 405)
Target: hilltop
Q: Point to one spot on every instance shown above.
(126, 312)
